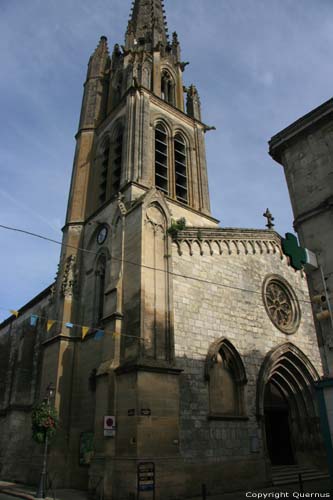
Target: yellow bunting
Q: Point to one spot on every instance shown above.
(50, 323)
(85, 330)
(15, 313)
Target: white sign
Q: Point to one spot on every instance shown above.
(311, 260)
(109, 434)
(109, 426)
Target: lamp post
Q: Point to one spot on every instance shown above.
(41, 491)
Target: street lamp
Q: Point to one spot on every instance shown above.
(41, 491)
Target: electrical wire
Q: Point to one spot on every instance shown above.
(93, 328)
(193, 278)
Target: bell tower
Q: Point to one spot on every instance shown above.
(133, 97)
(139, 164)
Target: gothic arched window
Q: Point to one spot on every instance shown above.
(100, 289)
(226, 374)
(116, 161)
(167, 88)
(110, 165)
(180, 168)
(161, 159)
(104, 168)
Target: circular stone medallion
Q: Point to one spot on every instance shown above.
(281, 304)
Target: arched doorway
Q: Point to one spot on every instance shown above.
(277, 426)
(286, 407)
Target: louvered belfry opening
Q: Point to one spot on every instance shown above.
(100, 289)
(161, 159)
(116, 162)
(104, 173)
(181, 169)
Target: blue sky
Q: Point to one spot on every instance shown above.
(258, 65)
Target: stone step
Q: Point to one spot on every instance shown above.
(295, 480)
(293, 472)
(292, 466)
(290, 474)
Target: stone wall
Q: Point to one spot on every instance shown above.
(224, 300)
(305, 149)
(21, 351)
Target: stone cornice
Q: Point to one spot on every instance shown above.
(322, 207)
(169, 200)
(148, 365)
(82, 130)
(228, 241)
(60, 338)
(145, 190)
(279, 141)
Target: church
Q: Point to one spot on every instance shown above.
(182, 353)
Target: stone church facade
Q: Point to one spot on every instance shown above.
(205, 353)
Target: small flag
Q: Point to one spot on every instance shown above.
(116, 335)
(14, 313)
(69, 325)
(99, 334)
(33, 320)
(49, 325)
(85, 330)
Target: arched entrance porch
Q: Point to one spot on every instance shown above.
(286, 407)
(277, 426)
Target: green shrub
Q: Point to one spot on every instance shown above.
(44, 421)
(177, 225)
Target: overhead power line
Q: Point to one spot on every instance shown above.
(193, 278)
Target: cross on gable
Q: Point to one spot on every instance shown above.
(292, 249)
(269, 218)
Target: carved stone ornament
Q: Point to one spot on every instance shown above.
(121, 204)
(281, 304)
(155, 217)
(69, 282)
(52, 296)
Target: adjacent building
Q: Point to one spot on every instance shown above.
(305, 150)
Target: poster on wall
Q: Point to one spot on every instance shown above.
(109, 426)
(86, 448)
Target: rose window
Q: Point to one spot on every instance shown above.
(281, 304)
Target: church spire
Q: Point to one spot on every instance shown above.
(147, 25)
